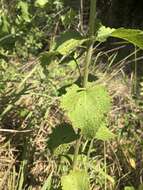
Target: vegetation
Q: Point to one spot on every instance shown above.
(70, 113)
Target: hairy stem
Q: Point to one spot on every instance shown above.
(92, 20)
(90, 147)
(81, 15)
(88, 58)
(76, 153)
(87, 63)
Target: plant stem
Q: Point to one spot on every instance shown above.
(89, 151)
(76, 152)
(92, 20)
(87, 63)
(81, 15)
(105, 165)
(135, 73)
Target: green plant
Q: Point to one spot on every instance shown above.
(87, 106)
(71, 153)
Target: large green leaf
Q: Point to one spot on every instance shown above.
(131, 35)
(75, 180)
(86, 108)
(68, 42)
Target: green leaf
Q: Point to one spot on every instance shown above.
(24, 10)
(86, 108)
(131, 35)
(61, 149)
(41, 3)
(103, 33)
(61, 135)
(104, 134)
(47, 57)
(68, 42)
(5, 24)
(75, 180)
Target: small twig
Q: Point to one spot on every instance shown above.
(14, 131)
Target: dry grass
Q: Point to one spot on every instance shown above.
(25, 161)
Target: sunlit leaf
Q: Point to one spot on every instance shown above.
(103, 33)
(23, 6)
(104, 134)
(75, 180)
(86, 108)
(41, 3)
(68, 42)
(131, 35)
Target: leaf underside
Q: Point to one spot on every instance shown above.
(131, 35)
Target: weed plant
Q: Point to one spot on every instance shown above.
(68, 119)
